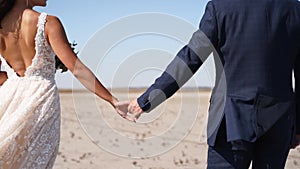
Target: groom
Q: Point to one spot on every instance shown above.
(254, 113)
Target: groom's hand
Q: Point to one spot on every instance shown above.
(122, 110)
(135, 109)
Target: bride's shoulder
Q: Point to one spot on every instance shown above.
(30, 16)
(52, 18)
(53, 22)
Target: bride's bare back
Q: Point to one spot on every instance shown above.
(17, 39)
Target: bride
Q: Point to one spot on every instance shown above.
(29, 106)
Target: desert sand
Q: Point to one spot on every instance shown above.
(173, 136)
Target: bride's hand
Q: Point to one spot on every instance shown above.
(122, 110)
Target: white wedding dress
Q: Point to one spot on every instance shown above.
(30, 111)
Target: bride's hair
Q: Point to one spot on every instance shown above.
(5, 7)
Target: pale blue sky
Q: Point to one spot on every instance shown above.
(84, 18)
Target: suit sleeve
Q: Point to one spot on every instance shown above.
(187, 61)
(297, 91)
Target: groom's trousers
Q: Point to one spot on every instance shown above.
(268, 152)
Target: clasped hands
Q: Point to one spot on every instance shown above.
(129, 110)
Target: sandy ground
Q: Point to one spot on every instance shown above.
(93, 136)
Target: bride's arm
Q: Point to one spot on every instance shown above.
(3, 76)
(57, 38)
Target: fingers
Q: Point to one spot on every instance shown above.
(121, 113)
(122, 109)
(132, 107)
(137, 115)
(135, 109)
(125, 115)
(129, 118)
(123, 103)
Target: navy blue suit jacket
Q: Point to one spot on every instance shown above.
(256, 45)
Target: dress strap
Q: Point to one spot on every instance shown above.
(42, 21)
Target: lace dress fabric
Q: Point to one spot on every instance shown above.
(30, 111)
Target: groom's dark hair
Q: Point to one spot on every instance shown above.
(5, 7)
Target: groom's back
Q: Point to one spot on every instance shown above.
(258, 41)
